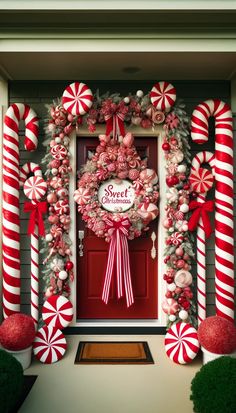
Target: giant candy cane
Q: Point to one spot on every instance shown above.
(34, 188)
(11, 221)
(224, 239)
(202, 188)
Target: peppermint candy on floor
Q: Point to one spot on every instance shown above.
(77, 98)
(49, 345)
(57, 311)
(59, 152)
(82, 196)
(181, 343)
(201, 180)
(35, 188)
(163, 96)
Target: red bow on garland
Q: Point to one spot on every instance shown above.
(36, 210)
(119, 252)
(115, 124)
(201, 210)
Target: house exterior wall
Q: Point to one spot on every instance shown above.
(38, 94)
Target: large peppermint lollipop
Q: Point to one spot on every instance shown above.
(201, 180)
(181, 343)
(57, 311)
(35, 188)
(163, 96)
(77, 98)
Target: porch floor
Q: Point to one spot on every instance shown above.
(63, 387)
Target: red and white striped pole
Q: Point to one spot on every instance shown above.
(198, 160)
(11, 220)
(224, 237)
(34, 188)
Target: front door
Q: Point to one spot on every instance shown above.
(91, 266)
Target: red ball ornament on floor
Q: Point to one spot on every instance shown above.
(49, 345)
(217, 335)
(17, 332)
(181, 343)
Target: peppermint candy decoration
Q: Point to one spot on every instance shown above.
(62, 207)
(149, 176)
(57, 311)
(176, 238)
(163, 96)
(82, 196)
(170, 306)
(201, 180)
(59, 152)
(49, 345)
(77, 98)
(181, 343)
(35, 188)
(148, 211)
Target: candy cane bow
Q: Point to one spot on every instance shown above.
(36, 211)
(201, 210)
(115, 124)
(119, 252)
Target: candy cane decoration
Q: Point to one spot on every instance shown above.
(198, 160)
(11, 221)
(34, 188)
(224, 237)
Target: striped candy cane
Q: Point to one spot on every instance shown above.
(11, 221)
(198, 160)
(34, 189)
(224, 238)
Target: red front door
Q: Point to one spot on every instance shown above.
(91, 267)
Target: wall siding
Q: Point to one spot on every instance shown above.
(38, 94)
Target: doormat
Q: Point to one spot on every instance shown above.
(113, 352)
(27, 386)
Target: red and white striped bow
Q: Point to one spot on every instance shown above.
(119, 252)
(115, 124)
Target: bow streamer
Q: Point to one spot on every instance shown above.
(119, 253)
(115, 124)
(201, 210)
(36, 210)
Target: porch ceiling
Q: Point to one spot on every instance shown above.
(117, 66)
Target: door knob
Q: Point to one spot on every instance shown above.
(153, 250)
(81, 246)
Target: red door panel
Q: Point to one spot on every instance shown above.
(91, 267)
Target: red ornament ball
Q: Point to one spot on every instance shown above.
(166, 146)
(217, 335)
(69, 265)
(17, 332)
(172, 180)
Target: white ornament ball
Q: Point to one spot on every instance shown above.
(54, 171)
(172, 317)
(63, 275)
(139, 93)
(57, 139)
(171, 287)
(126, 100)
(48, 237)
(66, 140)
(184, 208)
(181, 168)
(183, 314)
(171, 229)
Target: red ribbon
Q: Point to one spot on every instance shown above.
(36, 210)
(201, 210)
(115, 124)
(119, 253)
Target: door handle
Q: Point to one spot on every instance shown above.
(81, 245)
(153, 250)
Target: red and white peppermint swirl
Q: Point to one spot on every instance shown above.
(201, 181)
(35, 188)
(176, 238)
(27, 168)
(224, 236)
(148, 212)
(57, 311)
(49, 345)
(181, 343)
(62, 207)
(77, 98)
(198, 160)
(59, 152)
(163, 96)
(170, 306)
(82, 196)
(11, 222)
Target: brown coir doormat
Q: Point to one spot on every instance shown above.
(113, 352)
